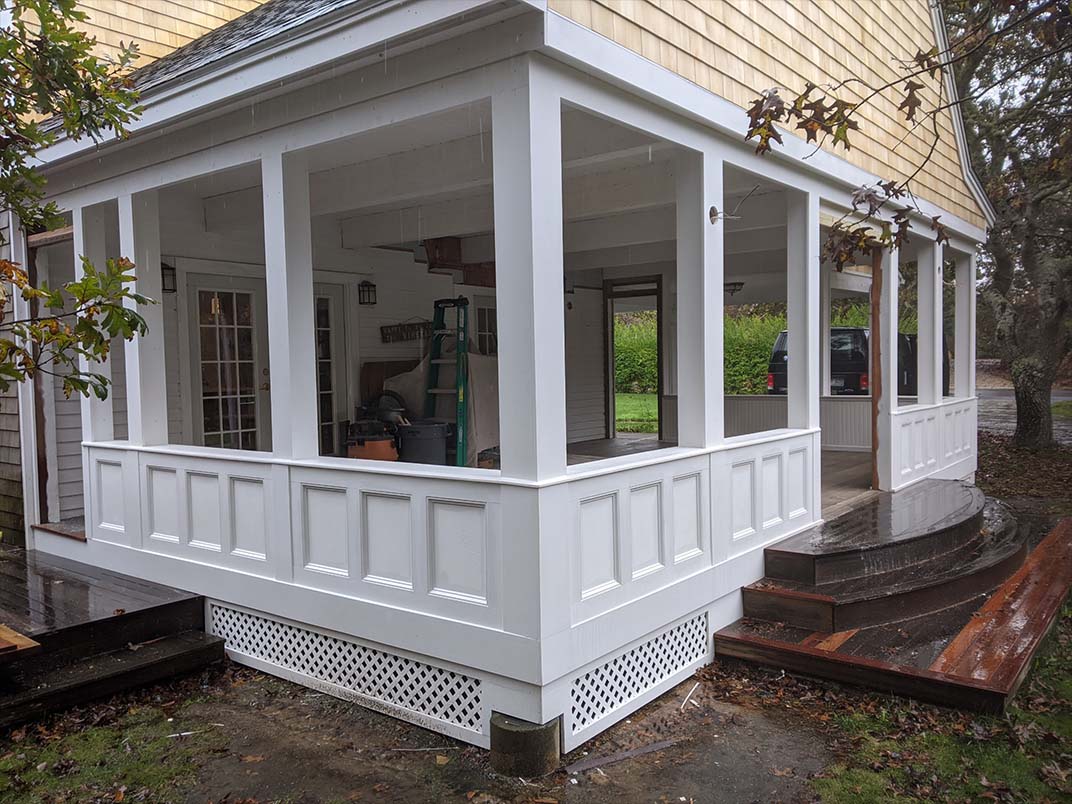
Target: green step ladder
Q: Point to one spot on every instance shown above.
(460, 359)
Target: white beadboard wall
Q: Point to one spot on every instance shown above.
(585, 410)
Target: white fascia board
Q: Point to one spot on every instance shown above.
(589, 52)
(275, 66)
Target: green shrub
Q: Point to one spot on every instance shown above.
(636, 353)
(748, 344)
(749, 339)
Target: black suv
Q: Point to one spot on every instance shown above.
(849, 359)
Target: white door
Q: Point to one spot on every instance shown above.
(230, 374)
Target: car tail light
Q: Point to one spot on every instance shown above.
(863, 382)
(770, 382)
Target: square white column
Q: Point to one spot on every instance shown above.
(139, 241)
(802, 260)
(884, 355)
(527, 167)
(700, 272)
(929, 335)
(98, 423)
(964, 326)
(288, 273)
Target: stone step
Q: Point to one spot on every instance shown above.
(973, 568)
(888, 533)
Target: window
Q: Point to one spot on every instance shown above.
(325, 385)
(487, 331)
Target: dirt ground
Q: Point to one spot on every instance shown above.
(733, 733)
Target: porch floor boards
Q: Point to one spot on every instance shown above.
(846, 480)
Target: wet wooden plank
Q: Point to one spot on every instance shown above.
(998, 643)
(13, 643)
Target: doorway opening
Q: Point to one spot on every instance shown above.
(634, 370)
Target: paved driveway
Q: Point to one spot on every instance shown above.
(997, 413)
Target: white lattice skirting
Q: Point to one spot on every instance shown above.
(433, 697)
(608, 691)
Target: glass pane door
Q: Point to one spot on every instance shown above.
(228, 372)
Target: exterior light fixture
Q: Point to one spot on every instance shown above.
(732, 288)
(366, 293)
(168, 280)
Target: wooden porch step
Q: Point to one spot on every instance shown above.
(975, 567)
(888, 532)
(974, 655)
(28, 695)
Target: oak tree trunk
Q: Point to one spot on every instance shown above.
(1034, 416)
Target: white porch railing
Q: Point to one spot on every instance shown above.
(937, 440)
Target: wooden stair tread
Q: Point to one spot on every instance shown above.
(998, 542)
(1007, 629)
(889, 519)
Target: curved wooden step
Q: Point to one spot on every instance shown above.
(973, 568)
(887, 533)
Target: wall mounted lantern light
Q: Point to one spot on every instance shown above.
(366, 293)
(168, 281)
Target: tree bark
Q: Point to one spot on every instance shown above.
(1034, 416)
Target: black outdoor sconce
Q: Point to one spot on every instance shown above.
(168, 281)
(366, 293)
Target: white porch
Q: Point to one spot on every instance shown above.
(215, 466)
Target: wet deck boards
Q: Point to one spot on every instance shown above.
(42, 594)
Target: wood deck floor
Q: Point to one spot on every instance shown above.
(41, 594)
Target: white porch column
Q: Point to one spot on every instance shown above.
(527, 168)
(700, 300)
(20, 309)
(139, 241)
(885, 341)
(89, 241)
(825, 314)
(288, 273)
(802, 228)
(929, 336)
(964, 347)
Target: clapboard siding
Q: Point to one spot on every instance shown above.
(11, 510)
(738, 48)
(158, 27)
(585, 412)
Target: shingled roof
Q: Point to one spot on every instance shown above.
(275, 18)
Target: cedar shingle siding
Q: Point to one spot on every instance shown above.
(738, 48)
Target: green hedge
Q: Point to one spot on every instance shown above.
(748, 343)
(636, 353)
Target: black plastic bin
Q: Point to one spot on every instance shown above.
(424, 441)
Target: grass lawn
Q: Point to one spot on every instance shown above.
(1063, 409)
(636, 413)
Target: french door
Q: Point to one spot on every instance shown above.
(229, 363)
(331, 379)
